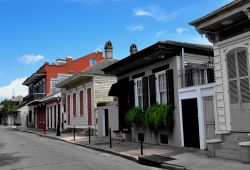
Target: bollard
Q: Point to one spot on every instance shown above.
(110, 138)
(89, 136)
(74, 133)
(141, 147)
(44, 129)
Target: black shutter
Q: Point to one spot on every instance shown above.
(152, 89)
(170, 86)
(145, 92)
(131, 94)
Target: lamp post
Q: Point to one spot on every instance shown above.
(58, 132)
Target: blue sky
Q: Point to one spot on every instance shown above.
(35, 31)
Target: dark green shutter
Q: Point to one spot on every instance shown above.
(131, 94)
(145, 92)
(170, 86)
(152, 89)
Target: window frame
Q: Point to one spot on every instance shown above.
(157, 79)
(137, 104)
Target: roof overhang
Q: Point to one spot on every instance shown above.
(154, 54)
(226, 17)
(33, 79)
(74, 80)
(50, 98)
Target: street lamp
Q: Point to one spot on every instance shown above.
(58, 132)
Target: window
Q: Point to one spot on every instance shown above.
(92, 61)
(161, 88)
(138, 93)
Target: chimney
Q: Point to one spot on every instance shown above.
(108, 50)
(133, 49)
(69, 59)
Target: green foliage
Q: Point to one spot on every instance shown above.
(159, 117)
(134, 115)
(9, 107)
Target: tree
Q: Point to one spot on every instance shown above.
(8, 108)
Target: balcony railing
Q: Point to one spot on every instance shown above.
(196, 74)
(35, 96)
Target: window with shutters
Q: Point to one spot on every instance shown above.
(161, 87)
(138, 93)
(238, 77)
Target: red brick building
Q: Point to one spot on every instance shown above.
(39, 83)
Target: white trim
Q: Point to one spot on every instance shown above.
(198, 92)
(157, 85)
(135, 89)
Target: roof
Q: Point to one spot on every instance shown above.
(96, 69)
(33, 78)
(85, 75)
(156, 53)
(219, 11)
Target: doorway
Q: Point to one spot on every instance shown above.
(190, 123)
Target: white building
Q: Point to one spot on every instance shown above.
(228, 28)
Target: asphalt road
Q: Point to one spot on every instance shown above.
(20, 150)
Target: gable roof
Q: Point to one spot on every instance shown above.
(96, 69)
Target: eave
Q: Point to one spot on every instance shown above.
(33, 79)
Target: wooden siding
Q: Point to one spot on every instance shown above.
(102, 85)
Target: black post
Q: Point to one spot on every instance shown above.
(141, 147)
(58, 132)
(74, 133)
(110, 138)
(44, 127)
(89, 136)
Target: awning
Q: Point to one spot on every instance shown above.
(114, 90)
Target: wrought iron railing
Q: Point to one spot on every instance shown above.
(35, 96)
(196, 74)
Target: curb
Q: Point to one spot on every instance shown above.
(172, 166)
(86, 146)
(128, 157)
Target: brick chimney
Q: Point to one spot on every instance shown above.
(108, 50)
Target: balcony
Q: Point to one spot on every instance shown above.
(196, 74)
(35, 96)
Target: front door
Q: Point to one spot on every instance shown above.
(190, 123)
(239, 90)
(209, 118)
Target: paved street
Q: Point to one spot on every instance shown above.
(19, 150)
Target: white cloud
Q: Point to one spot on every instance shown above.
(159, 34)
(133, 28)
(181, 30)
(158, 14)
(19, 89)
(153, 11)
(31, 58)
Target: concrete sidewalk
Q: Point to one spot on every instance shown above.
(184, 158)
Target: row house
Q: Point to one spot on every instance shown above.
(85, 90)
(151, 76)
(39, 84)
(228, 28)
